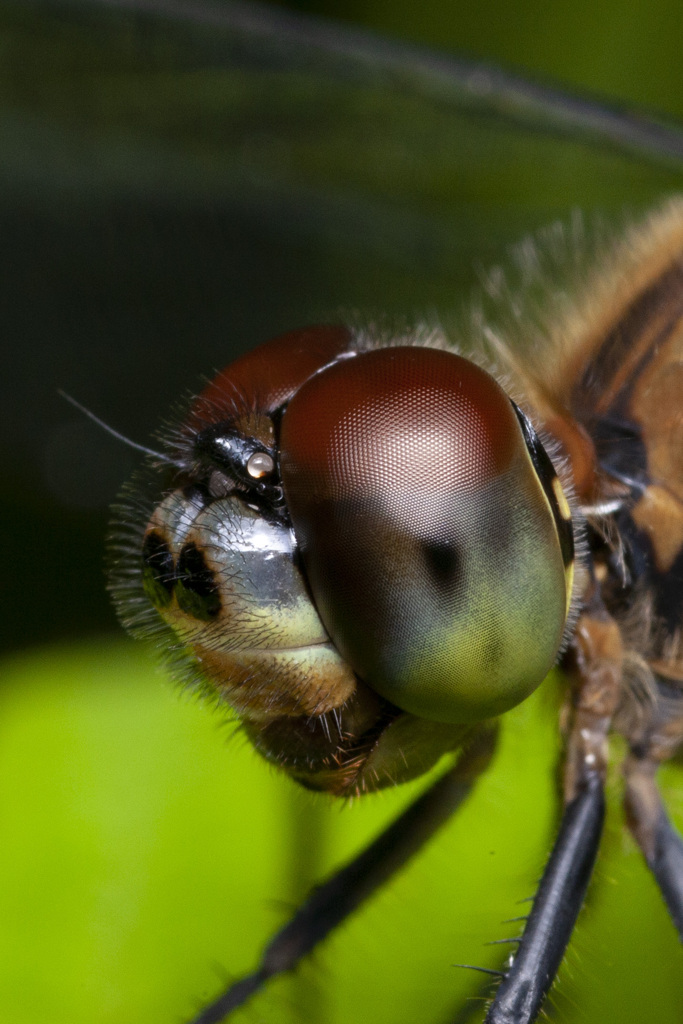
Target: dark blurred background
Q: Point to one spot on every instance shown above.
(167, 199)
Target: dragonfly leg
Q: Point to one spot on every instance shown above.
(330, 903)
(565, 879)
(661, 844)
(555, 909)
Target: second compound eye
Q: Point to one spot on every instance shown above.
(427, 539)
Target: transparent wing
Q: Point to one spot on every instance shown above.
(373, 154)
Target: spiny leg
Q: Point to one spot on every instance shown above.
(661, 844)
(664, 855)
(555, 909)
(565, 879)
(332, 902)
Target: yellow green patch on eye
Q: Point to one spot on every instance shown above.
(569, 577)
(562, 503)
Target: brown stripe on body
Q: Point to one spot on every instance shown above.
(627, 395)
(656, 404)
(653, 318)
(661, 517)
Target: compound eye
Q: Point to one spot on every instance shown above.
(427, 538)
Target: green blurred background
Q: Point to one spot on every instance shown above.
(169, 196)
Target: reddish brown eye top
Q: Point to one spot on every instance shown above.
(437, 419)
(270, 374)
(426, 536)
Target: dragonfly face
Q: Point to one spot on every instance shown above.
(329, 547)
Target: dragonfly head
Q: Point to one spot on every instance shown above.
(384, 515)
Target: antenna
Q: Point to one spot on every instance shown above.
(115, 433)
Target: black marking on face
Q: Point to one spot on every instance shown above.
(158, 572)
(196, 590)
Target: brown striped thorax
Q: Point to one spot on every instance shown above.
(367, 547)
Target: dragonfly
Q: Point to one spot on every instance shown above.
(488, 117)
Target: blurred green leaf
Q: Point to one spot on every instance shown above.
(146, 857)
